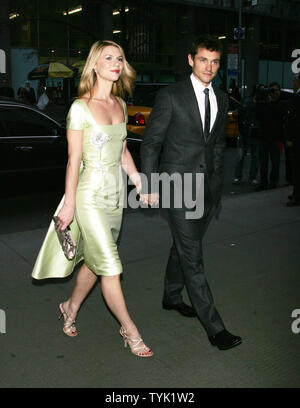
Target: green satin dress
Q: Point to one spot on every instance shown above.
(99, 201)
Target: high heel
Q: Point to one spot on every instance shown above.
(138, 348)
(69, 329)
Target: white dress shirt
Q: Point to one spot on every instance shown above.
(200, 95)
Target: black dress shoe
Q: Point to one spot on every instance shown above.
(182, 308)
(225, 340)
(293, 203)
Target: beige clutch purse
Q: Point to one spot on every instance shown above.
(66, 240)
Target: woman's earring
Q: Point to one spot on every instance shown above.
(95, 70)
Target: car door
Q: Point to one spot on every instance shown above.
(30, 141)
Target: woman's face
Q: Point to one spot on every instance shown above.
(110, 63)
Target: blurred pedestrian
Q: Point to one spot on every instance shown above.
(270, 115)
(293, 134)
(248, 139)
(234, 90)
(30, 94)
(41, 88)
(188, 122)
(26, 94)
(287, 149)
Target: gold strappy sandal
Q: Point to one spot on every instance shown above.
(138, 348)
(69, 329)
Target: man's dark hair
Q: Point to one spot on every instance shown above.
(209, 42)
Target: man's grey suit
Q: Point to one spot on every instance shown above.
(175, 126)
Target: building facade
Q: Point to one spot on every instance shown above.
(156, 34)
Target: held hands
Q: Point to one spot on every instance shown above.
(65, 216)
(150, 199)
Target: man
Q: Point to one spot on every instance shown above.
(27, 94)
(188, 121)
(293, 134)
(247, 139)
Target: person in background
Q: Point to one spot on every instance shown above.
(59, 93)
(6, 90)
(30, 94)
(41, 88)
(248, 139)
(26, 94)
(233, 90)
(270, 116)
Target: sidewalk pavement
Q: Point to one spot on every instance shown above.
(252, 262)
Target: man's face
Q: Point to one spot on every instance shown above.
(205, 65)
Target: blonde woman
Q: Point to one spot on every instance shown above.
(92, 204)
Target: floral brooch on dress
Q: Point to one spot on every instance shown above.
(99, 138)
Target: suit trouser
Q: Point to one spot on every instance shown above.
(185, 267)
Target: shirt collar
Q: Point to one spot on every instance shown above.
(198, 86)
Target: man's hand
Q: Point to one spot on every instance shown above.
(150, 199)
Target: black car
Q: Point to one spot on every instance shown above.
(31, 144)
(33, 148)
(29, 140)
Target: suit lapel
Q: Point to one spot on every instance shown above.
(220, 104)
(191, 103)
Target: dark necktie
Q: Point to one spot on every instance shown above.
(207, 114)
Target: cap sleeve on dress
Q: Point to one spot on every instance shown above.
(76, 116)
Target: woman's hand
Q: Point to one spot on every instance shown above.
(65, 217)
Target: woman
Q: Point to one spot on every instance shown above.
(92, 204)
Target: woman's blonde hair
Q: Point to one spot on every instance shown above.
(88, 77)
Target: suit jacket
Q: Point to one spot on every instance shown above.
(175, 125)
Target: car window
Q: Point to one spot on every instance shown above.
(20, 121)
